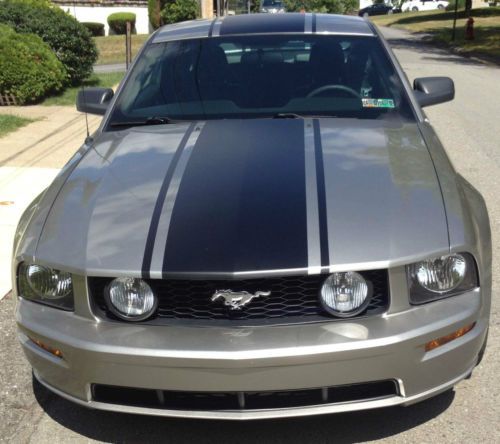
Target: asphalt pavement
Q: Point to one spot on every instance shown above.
(114, 67)
(469, 127)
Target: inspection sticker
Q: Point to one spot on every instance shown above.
(378, 103)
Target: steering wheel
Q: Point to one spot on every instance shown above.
(330, 87)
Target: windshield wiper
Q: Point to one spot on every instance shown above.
(154, 120)
(302, 116)
(287, 116)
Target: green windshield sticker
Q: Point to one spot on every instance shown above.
(378, 103)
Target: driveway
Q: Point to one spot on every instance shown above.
(30, 158)
(469, 127)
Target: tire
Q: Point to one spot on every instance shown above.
(414, 9)
(389, 12)
(440, 7)
(365, 15)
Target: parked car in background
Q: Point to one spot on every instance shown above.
(375, 9)
(423, 5)
(272, 6)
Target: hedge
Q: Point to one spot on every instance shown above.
(118, 21)
(96, 29)
(29, 70)
(70, 40)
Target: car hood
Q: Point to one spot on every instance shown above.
(243, 197)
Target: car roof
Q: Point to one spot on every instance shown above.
(246, 24)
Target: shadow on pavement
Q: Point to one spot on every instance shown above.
(340, 428)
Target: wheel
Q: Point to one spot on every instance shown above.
(414, 9)
(365, 14)
(389, 12)
(441, 7)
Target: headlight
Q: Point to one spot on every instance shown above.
(441, 277)
(345, 294)
(130, 299)
(46, 285)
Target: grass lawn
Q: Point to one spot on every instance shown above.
(112, 48)
(9, 123)
(68, 96)
(439, 25)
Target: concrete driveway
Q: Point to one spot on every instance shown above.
(469, 128)
(30, 158)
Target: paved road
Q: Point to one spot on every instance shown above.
(115, 67)
(470, 129)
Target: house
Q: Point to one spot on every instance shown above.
(99, 10)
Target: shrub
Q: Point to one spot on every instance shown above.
(451, 5)
(46, 3)
(179, 11)
(69, 39)
(255, 6)
(96, 29)
(118, 21)
(29, 70)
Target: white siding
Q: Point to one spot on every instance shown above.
(365, 3)
(99, 14)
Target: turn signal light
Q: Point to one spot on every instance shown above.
(53, 351)
(435, 343)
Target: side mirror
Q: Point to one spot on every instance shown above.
(433, 90)
(94, 100)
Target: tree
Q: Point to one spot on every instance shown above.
(468, 7)
(154, 12)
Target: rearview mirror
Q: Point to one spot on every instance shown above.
(433, 90)
(94, 100)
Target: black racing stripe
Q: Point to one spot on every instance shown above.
(320, 177)
(241, 205)
(211, 30)
(262, 24)
(160, 200)
(313, 28)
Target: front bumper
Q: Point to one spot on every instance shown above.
(389, 347)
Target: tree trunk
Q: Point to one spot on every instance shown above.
(468, 7)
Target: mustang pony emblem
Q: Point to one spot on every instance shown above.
(237, 299)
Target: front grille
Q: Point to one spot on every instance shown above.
(210, 401)
(292, 298)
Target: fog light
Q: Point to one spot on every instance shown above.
(435, 343)
(345, 294)
(130, 299)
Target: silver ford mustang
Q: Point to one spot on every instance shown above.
(264, 225)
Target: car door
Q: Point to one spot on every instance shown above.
(379, 9)
(429, 5)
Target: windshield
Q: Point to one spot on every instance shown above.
(261, 76)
